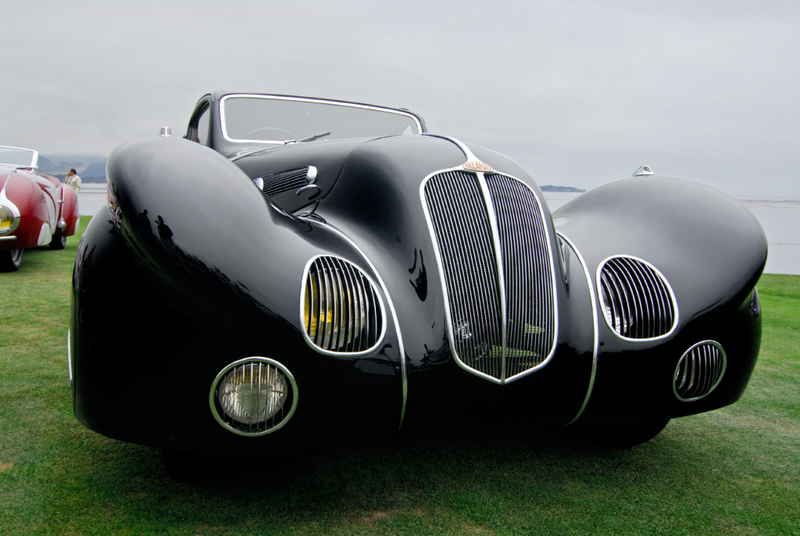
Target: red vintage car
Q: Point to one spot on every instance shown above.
(35, 209)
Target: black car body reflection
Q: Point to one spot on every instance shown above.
(301, 272)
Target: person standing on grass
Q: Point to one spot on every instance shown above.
(73, 180)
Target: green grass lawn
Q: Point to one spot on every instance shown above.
(732, 471)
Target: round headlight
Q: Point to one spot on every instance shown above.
(9, 219)
(254, 396)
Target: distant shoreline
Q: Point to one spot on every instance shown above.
(567, 189)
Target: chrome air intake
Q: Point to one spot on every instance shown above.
(637, 300)
(287, 181)
(699, 371)
(496, 265)
(340, 309)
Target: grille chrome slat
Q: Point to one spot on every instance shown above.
(495, 259)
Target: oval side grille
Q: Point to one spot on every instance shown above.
(342, 312)
(699, 371)
(636, 299)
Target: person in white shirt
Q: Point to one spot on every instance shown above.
(73, 180)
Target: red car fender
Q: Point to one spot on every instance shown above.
(29, 200)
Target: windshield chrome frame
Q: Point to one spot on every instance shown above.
(224, 128)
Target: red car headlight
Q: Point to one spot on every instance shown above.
(9, 218)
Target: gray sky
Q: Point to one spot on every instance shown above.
(579, 93)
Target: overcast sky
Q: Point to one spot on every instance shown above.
(579, 93)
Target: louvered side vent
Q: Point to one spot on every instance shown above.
(285, 181)
(342, 310)
(636, 299)
(699, 371)
(502, 314)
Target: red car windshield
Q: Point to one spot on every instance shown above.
(16, 157)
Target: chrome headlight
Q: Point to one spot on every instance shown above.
(253, 396)
(9, 217)
(340, 308)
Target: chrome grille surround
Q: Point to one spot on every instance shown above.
(636, 299)
(260, 389)
(699, 371)
(495, 260)
(340, 308)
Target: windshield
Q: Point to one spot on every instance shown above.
(257, 118)
(18, 157)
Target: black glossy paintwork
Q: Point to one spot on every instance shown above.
(193, 269)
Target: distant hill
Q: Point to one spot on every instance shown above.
(92, 172)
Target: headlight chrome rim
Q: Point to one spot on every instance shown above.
(272, 372)
(9, 218)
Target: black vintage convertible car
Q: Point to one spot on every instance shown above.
(300, 272)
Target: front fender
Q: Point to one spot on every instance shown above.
(711, 252)
(190, 269)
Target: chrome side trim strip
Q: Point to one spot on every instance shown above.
(458, 143)
(390, 305)
(596, 349)
(69, 355)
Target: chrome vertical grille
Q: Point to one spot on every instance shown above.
(699, 371)
(528, 273)
(636, 299)
(501, 303)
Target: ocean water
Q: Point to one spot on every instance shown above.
(779, 217)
